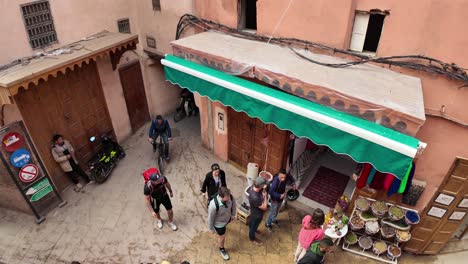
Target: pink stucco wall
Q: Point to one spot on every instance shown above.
(433, 28)
(220, 137)
(73, 20)
(115, 100)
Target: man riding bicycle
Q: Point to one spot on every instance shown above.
(160, 127)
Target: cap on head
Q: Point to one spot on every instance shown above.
(214, 167)
(259, 181)
(155, 177)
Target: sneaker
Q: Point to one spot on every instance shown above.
(173, 226)
(167, 158)
(91, 182)
(224, 254)
(160, 224)
(257, 242)
(76, 189)
(269, 228)
(79, 185)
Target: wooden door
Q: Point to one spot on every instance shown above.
(71, 104)
(135, 96)
(277, 148)
(433, 232)
(250, 140)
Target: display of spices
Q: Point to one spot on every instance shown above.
(372, 227)
(357, 223)
(403, 236)
(412, 217)
(351, 238)
(393, 251)
(368, 216)
(379, 247)
(365, 242)
(401, 225)
(362, 204)
(387, 231)
(379, 208)
(396, 213)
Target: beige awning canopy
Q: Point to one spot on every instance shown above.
(370, 92)
(52, 62)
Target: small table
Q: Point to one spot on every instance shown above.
(330, 232)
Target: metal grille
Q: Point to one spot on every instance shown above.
(124, 25)
(39, 23)
(156, 5)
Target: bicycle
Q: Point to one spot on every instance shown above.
(160, 152)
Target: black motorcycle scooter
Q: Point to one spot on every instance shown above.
(102, 163)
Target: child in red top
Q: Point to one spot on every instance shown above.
(311, 231)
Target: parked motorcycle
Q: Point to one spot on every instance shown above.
(186, 107)
(102, 163)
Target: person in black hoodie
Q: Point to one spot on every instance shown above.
(213, 180)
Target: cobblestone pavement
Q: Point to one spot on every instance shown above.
(109, 223)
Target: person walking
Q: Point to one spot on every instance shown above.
(155, 192)
(221, 211)
(64, 154)
(258, 198)
(214, 179)
(160, 128)
(277, 194)
(311, 231)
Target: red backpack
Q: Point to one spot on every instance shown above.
(161, 188)
(147, 173)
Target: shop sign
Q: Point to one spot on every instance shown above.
(12, 141)
(41, 193)
(28, 173)
(37, 186)
(20, 158)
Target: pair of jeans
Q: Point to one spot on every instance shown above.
(76, 172)
(254, 222)
(165, 139)
(274, 210)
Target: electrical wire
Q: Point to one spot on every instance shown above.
(280, 21)
(414, 62)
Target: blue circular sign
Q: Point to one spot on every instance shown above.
(20, 158)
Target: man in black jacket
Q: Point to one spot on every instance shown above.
(213, 180)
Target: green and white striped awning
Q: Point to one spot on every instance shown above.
(366, 142)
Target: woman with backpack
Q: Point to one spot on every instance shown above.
(311, 231)
(214, 179)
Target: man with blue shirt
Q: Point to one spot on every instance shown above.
(160, 127)
(277, 194)
(221, 211)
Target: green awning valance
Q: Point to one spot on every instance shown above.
(366, 142)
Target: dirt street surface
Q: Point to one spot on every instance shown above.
(109, 223)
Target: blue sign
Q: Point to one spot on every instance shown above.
(20, 158)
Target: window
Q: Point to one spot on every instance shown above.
(124, 25)
(366, 31)
(39, 24)
(157, 5)
(247, 14)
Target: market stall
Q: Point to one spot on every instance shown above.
(378, 229)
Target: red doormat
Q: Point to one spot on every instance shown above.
(326, 186)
